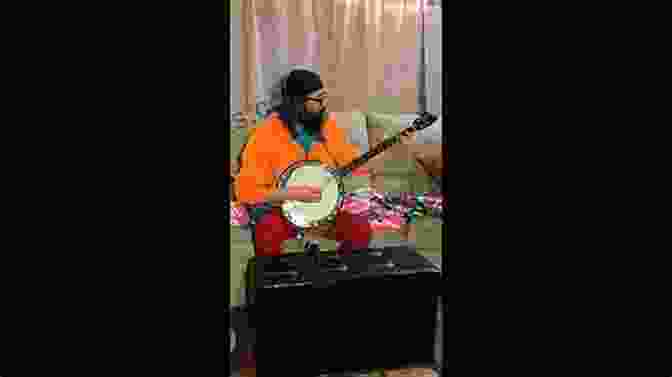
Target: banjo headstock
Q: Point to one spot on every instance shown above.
(425, 120)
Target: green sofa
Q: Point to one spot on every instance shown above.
(398, 176)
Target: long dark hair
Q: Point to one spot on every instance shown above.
(289, 112)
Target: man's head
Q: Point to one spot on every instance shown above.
(305, 90)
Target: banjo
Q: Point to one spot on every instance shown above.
(306, 215)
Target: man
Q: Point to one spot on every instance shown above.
(299, 129)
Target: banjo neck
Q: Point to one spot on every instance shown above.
(425, 120)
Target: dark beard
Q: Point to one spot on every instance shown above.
(313, 121)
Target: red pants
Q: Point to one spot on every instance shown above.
(272, 230)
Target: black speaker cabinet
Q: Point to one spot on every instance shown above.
(372, 309)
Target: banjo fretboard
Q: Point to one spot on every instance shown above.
(425, 120)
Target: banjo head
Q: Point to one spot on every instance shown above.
(312, 173)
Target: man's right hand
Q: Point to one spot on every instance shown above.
(308, 194)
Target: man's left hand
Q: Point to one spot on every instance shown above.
(408, 139)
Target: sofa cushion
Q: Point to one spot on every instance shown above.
(397, 168)
(238, 138)
(393, 123)
(354, 122)
(401, 173)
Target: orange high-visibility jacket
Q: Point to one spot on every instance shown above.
(271, 149)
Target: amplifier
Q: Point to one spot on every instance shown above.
(372, 309)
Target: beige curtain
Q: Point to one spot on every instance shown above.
(248, 57)
(365, 50)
